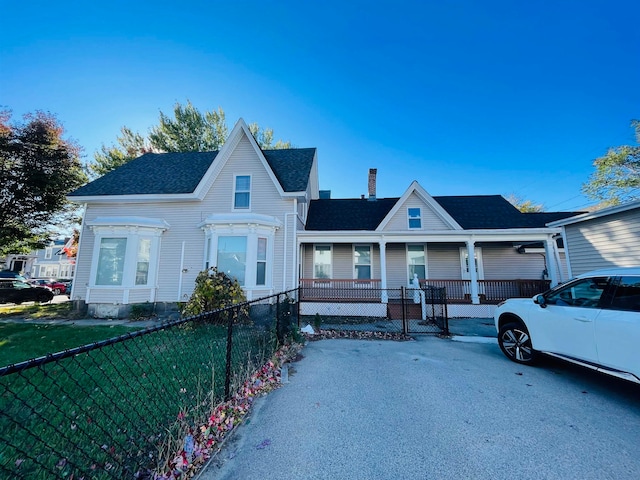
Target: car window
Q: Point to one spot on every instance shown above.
(627, 295)
(585, 292)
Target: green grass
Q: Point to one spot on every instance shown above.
(114, 410)
(20, 342)
(45, 311)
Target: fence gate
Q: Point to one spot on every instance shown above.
(424, 310)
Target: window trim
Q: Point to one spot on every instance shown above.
(418, 218)
(315, 246)
(355, 265)
(424, 250)
(234, 207)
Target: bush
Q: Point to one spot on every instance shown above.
(213, 290)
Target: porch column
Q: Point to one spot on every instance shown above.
(552, 266)
(384, 297)
(473, 274)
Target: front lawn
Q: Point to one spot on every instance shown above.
(20, 342)
(43, 311)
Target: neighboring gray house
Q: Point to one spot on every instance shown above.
(151, 225)
(49, 262)
(602, 239)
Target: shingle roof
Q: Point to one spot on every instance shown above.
(493, 212)
(471, 212)
(176, 173)
(348, 214)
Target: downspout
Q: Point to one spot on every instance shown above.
(286, 240)
(75, 268)
(181, 272)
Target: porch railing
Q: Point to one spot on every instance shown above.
(327, 289)
(458, 291)
(490, 291)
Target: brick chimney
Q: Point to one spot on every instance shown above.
(372, 183)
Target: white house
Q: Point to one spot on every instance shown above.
(151, 225)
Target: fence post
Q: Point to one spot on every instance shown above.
(278, 319)
(227, 377)
(405, 330)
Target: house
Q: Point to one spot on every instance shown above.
(602, 239)
(49, 262)
(153, 224)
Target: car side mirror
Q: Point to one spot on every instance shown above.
(540, 300)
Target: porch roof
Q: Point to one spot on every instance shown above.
(472, 212)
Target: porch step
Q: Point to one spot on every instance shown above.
(394, 310)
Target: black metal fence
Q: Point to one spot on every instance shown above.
(120, 408)
(393, 310)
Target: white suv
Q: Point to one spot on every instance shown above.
(592, 320)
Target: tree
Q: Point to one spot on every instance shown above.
(37, 170)
(188, 131)
(525, 206)
(617, 176)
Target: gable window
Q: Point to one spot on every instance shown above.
(48, 253)
(232, 257)
(416, 260)
(242, 192)
(362, 261)
(322, 261)
(415, 217)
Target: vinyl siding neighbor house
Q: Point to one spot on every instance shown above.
(602, 239)
(153, 224)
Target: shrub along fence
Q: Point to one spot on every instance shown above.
(120, 408)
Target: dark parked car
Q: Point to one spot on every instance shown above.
(15, 291)
(57, 287)
(9, 274)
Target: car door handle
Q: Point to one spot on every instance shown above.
(583, 319)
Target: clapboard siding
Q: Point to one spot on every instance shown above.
(505, 263)
(397, 271)
(443, 261)
(183, 219)
(604, 242)
(430, 220)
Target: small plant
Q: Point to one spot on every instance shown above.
(140, 311)
(317, 322)
(214, 290)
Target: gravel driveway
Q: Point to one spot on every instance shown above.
(435, 409)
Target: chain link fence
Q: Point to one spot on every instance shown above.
(391, 310)
(119, 408)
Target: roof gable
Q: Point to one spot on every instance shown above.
(155, 176)
(434, 214)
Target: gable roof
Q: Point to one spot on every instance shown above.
(348, 213)
(473, 212)
(181, 173)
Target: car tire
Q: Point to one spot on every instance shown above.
(56, 291)
(515, 343)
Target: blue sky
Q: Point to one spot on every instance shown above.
(467, 97)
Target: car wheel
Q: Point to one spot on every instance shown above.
(56, 291)
(515, 343)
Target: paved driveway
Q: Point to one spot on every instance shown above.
(435, 409)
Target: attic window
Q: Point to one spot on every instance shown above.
(242, 194)
(415, 217)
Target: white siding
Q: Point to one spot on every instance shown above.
(430, 220)
(608, 241)
(183, 219)
(505, 263)
(444, 261)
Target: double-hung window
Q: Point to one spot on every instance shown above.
(232, 257)
(416, 260)
(242, 192)
(362, 261)
(261, 262)
(415, 217)
(322, 261)
(111, 261)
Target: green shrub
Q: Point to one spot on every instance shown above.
(213, 290)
